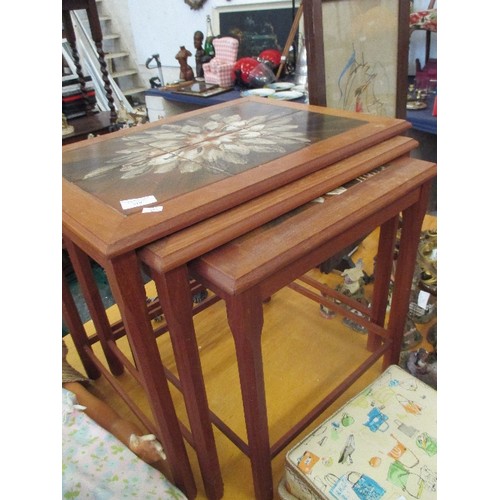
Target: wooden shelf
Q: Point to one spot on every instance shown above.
(94, 124)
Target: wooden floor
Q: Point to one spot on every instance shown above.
(304, 356)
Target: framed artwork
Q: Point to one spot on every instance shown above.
(257, 25)
(358, 54)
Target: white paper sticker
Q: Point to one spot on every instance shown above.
(147, 210)
(137, 202)
(423, 298)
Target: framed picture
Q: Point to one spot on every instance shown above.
(257, 25)
(358, 54)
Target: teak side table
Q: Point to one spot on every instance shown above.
(188, 169)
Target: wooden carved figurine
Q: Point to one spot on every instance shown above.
(186, 72)
(199, 52)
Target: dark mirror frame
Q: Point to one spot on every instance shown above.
(314, 42)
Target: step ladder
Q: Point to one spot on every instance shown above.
(89, 59)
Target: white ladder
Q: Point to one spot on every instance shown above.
(88, 53)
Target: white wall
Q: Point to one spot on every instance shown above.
(161, 27)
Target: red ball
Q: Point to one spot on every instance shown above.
(271, 56)
(242, 68)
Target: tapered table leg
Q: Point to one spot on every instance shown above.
(175, 298)
(245, 316)
(411, 227)
(128, 289)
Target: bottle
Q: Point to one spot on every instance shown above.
(209, 46)
(301, 66)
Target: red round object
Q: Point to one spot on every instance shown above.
(242, 68)
(271, 56)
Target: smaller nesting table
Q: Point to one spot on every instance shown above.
(249, 269)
